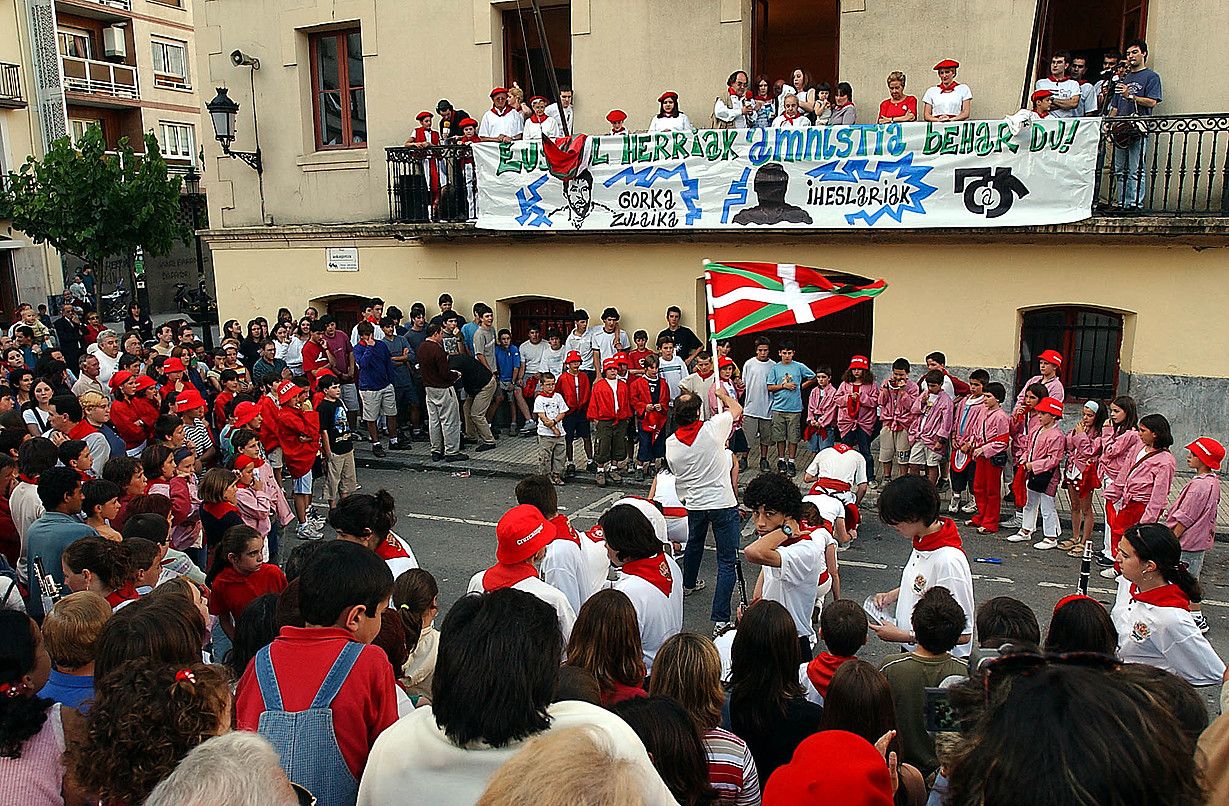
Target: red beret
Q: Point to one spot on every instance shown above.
(423, 114)
(667, 94)
(947, 64)
(537, 98)
(467, 122)
(498, 90)
(1039, 94)
(616, 116)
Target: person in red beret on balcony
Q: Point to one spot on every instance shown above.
(616, 118)
(433, 169)
(949, 100)
(1042, 101)
(502, 123)
(670, 118)
(539, 124)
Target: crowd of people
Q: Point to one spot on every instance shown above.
(150, 613)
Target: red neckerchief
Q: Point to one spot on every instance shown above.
(1165, 596)
(705, 377)
(507, 109)
(217, 510)
(538, 118)
(841, 447)
(789, 119)
(472, 138)
(28, 479)
(687, 433)
(505, 576)
(733, 92)
(946, 536)
(596, 533)
(564, 530)
(390, 549)
(84, 476)
(654, 570)
(948, 87)
(821, 669)
(1043, 114)
(854, 402)
(1056, 79)
(81, 430)
(124, 594)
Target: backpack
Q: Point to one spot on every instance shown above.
(12, 597)
(306, 740)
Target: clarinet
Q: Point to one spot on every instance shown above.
(1085, 568)
(49, 589)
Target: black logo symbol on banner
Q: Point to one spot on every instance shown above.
(989, 192)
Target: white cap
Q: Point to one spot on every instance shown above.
(650, 511)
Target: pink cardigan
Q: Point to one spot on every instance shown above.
(967, 419)
(1083, 448)
(1054, 389)
(868, 400)
(254, 509)
(993, 436)
(1045, 451)
(1118, 451)
(896, 405)
(932, 421)
(1195, 509)
(1148, 481)
(821, 406)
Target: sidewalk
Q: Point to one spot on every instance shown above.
(516, 457)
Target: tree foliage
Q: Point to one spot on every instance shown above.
(95, 205)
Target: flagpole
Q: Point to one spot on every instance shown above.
(712, 324)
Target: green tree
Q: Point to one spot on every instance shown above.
(95, 205)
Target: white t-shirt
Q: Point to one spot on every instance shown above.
(947, 103)
(665, 494)
(582, 344)
(547, 593)
(782, 122)
(534, 131)
(414, 755)
(848, 466)
(1066, 89)
(702, 469)
(566, 569)
(552, 360)
(1164, 637)
(569, 112)
(660, 617)
(399, 565)
(945, 567)
(553, 407)
(604, 343)
(597, 559)
(673, 371)
(493, 124)
(533, 356)
(675, 124)
(758, 403)
(794, 584)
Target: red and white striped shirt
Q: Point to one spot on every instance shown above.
(731, 769)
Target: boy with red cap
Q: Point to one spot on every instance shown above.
(812, 778)
(190, 407)
(424, 135)
(1041, 100)
(174, 370)
(727, 378)
(1046, 448)
(949, 100)
(1192, 518)
(522, 536)
(576, 390)
(857, 402)
(539, 124)
(651, 400)
(502, 123)
(616, 118)
(298, 432)
(610, 409)
(1048, 363)
(565, 565)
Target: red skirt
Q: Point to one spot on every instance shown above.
(1088, 481)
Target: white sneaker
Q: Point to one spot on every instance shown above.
(1011, 523)
(1109, 573)
(969, 508)
(1046, 545)
(954, 507)
(1020, 537)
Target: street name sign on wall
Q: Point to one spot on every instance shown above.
(880, 176)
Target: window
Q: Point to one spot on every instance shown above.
(171, 64)
(177, 140)
(1089, 340)
(338, 102)
(524, 55)
(75, 42)
(77, 127)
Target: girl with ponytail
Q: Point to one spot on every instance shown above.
(416, 597)
(368, 520)
(31, 735)
(96, 564)
(1152, 616)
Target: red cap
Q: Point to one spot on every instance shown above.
(667, 94)
(1208, 451)
(537, 98)
(1052, 356)
(173, 365)
(573, 356)
(467, 122)
(947, 64)
(189, 399)
(424, 114)
(610, 363)
(245, 412)
(1039, 94)
(1066, 600)
(119, 379)
(725, 361)
(860, 779)
(521, 533)
(498, 90)
(243, 460)
(1049, 405)
(144, 382)
(616, 116)
(622, 359)
(859, 362)
(286, 391)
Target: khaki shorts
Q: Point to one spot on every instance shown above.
(275, 458)
(758, 429)
(786, 426)
(894, 446)
(378, 402)
(921, 455)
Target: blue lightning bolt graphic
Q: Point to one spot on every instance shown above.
(532, 212)
(645, 177)
(857, 171)
(736, 195)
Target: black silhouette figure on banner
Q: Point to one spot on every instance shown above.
(771, 182)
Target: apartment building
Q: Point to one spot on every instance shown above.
(341, 82)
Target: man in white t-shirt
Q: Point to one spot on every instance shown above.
(670, 365)
(563, 111)
(611, 339)
(701, 464)
(1064, 90)
(580, 339)
(757, 406)
(949, 100)
(533, 353)
(501, 123)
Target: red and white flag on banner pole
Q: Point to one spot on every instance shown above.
(749, 297)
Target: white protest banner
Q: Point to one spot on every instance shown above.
(896, 175)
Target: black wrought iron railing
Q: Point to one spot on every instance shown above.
(1164, 165)
(10, 86)
(430, 184)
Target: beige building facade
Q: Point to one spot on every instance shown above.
(1122, 294)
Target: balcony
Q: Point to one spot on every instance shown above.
(432, 184)
(10, 87)
(106, 10)
(92, 77)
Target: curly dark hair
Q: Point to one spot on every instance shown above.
(23, 716)
(145, 718)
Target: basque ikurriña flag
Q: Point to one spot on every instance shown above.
(748, 297)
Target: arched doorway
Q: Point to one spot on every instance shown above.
(541, 312)
(345, 311)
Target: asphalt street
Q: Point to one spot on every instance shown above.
(450, 523)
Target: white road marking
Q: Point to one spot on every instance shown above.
(598, 507)
(423, 517)
(857, 564)
(1114, 592)
(1003, 580)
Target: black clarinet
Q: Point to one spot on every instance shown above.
(49, 589)
(1085, 568)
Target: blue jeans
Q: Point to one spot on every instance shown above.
(1129, 173)
(725, 529)
(816, 444)
(857, 438)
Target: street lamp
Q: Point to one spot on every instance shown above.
(192, 183)
(222, 110)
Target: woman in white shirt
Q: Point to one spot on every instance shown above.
(670, 118)
(804, 91)
(37, 413)
(294, 347)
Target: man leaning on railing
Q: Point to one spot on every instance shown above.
(1136, 94)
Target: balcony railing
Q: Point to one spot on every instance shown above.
(100, 78)
(122, 5)
(1164, 165)
(431, 184)
(10, 87)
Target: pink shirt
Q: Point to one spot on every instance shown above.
(1118, 451)
(967, 417)
(994, 433)
(821, 406)
(896, 405)
(932, 420)
(1054, 389)
(36, 777)
(1147, 479)
(254, 509)
(1195, 509)
(867, 395)
(1045, 451)
(1083, 448)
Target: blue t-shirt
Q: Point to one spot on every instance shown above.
(507, 359)
(789, 400)
(1144, 83)
(401, 372)
(467, 332)
(69, 690)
